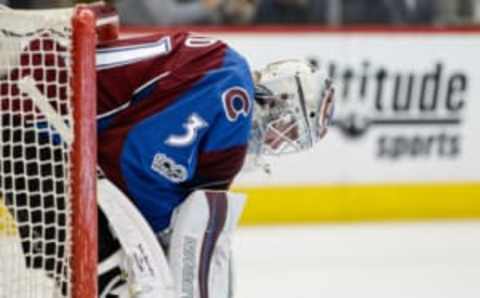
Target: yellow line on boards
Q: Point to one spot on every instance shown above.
(7, 224)
(336, 203)
(303, 204)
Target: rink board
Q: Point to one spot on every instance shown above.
(7, 225)
(352, 203)
(404, 143)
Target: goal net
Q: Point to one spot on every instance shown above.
(47, 153)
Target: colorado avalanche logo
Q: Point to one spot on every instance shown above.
(236, 102)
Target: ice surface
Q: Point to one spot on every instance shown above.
(404, 260)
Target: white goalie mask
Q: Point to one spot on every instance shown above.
(294, 107)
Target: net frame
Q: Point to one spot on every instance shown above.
(82, 236)
(84, 152)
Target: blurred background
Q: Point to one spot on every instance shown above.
(322, 12)
(389, 204)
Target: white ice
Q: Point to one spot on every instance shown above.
(401, 260)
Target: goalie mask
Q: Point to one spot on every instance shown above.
(294, 107)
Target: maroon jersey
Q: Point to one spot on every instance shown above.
(174, 113)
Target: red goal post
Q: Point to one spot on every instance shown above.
(48, 211)
(84, 182)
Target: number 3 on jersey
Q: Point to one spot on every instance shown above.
(192, 126)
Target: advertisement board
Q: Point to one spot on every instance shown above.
(404, 142)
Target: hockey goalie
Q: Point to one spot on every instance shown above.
(178, 114)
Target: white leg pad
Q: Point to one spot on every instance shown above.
(149, 275)
(200, 253)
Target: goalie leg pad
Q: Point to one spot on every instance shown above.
(200, 253)
(144, 259)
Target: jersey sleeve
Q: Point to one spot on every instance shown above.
(224, 147)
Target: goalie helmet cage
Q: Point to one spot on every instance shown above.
(48, 213)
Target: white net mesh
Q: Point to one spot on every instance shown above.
(34, 156)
